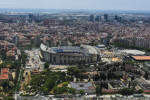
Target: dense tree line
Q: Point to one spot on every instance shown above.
(109, 75)
(45, 82)
(64, 89)
(98, 90)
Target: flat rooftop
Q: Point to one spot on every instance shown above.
(4, 73)
(143, 58)
(132, 52)
(81, 85)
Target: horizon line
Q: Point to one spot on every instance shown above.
(106, 10)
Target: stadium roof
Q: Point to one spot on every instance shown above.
(85, 49)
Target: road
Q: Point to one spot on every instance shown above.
(33, 97)
(35, 63)
(34, 60)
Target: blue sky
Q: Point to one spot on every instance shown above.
(142, 5)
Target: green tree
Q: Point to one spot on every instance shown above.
(134, 85)
(56, 90)
(23, 57)
(73, 71)
(82, 92)
(140, 91)
(36, 83)
(68, 78)
(129, 85)
(25, 86)
(98, 90)
(8, 98)
(47, 80)
(64, 87)
(72, 91)
(46, 65)
(50, 83)
(126, 91)
(46, 90)
(64, 84)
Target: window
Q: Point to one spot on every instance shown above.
(81, 85)
(60, 61)
(54, 59)
(64, 61)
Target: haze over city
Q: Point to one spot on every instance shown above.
(142, 5)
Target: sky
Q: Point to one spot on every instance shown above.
(139, 5)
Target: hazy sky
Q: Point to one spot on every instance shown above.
(78, 4)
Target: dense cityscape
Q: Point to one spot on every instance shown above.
(74, 55)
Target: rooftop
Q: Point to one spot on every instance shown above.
(83, 49)
(132, 52)
(82, 85)
(141, 57)
(91, 73)
(4, 73)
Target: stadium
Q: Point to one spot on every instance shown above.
(69, 54)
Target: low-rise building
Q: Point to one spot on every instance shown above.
(11, 54)
(35, 72)
(5, 75)
(141, 58)
(86, 86)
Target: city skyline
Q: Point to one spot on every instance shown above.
(81, 49)
(137, 5)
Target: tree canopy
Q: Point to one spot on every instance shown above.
(46, 65)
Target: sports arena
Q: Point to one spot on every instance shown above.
(69, 54)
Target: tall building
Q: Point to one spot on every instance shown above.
(116, 18)
(98, 18)
(37, 40)
(2, 36)
(105, 40)
(31, 16)
(106, 17)
(91, 17)
(16, 40)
